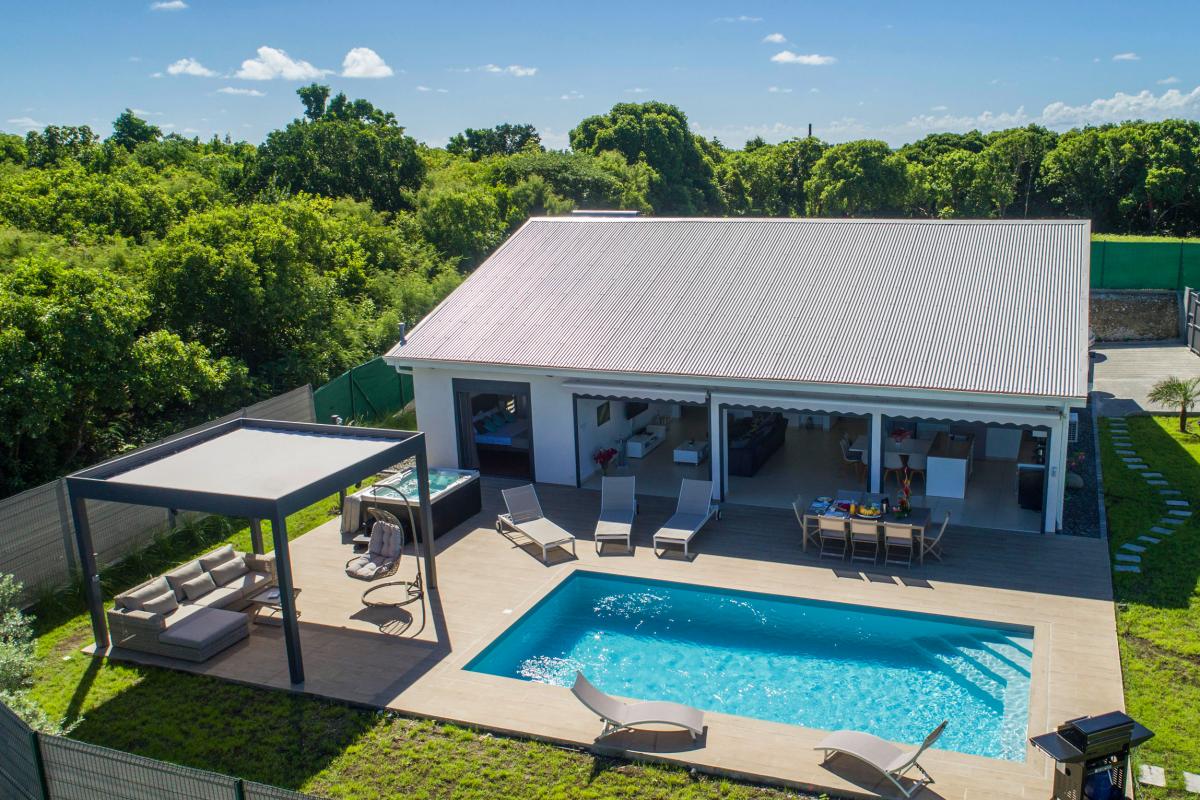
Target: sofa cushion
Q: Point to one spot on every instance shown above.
(220, 597)
(178, 577)
(204, 627)
(249, 583)
(228, 571)
(151, 590)
(218, 556)
(164, 604)
(198, 587)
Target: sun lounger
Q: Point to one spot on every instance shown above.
(618, 506)
(694, 509)
(617, 714)
(884, 756)
(525, 517)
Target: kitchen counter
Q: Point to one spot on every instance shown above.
(949, 465)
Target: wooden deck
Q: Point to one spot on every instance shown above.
(1059, 586)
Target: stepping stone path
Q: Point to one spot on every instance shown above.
(1132, 460)
(1151, 776)
(1149, 539)
(1157, 483)
(1127, 568)
(1128, 558)
(1127, 452)
(1162, 531)
(1169, 491)
(1170, 521)
(1177, 513)
(1149, 475)
(1137, 466)
(1191, 782)
(1178, 503)
(1133, 548)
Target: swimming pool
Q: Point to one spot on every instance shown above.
(803, 662)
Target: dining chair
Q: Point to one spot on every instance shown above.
(832, 531)
(864, 540)
(934, 547)
(800, 506)
(847, 457)
(916, 465)
(892, 464)
(897, 542)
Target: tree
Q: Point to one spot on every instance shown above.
(657, 135)
(129, 131)
(1012, 163)
(12, 149)
(502, 140)
(314, 97)
(768, 179)
(56, 144)
(860, 178)
(1177, 392)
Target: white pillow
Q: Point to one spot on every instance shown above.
(229, 571)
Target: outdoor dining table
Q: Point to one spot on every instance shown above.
(918, 519)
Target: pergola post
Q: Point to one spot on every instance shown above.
(426, 542)
(91, 575)
(287, 598)
(256, 540)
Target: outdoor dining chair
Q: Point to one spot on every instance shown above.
(864, 540)
(933, 547)
(832, 531)
(897, 544)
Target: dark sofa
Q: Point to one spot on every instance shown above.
(752, 441)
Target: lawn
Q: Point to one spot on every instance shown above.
(1158, 611)
(325, 748)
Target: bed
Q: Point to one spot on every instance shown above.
(512, 433)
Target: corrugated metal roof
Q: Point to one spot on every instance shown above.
(978, 306)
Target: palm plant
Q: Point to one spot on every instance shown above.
(1179, 393)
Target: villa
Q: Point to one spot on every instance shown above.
(772, 356)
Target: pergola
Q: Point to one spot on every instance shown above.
(254, 468)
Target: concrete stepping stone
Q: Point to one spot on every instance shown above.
(1177, 513)
(1128, 558)
(1137, 466)
(1151, 776)
(1171, 521)
(1149, 475)
(1127, 452)
(1162, 531)
(1132, 460)
(1177, 502)
(1191, 782)
(1133, 548)
(1157, 483)
(1126, 568)
(1149, 539)
(1169, 492)
(1122, 443)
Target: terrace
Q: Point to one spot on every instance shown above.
(412, 660)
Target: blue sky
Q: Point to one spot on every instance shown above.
(737, 68)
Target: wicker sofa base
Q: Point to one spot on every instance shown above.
(147, 642)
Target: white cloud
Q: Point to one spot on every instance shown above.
(636, 90)
(776, 132)
(1143, 105)
(742, 18)
(190, 66)
(775, 38)
(274, 63)
(134, 59)
(938, 108)
(241, 92)
(779, 90)
(431, 89)
(141, 112)
(168, 5)
(1169, 80)
(26, 122)
(986, 121)
(814, 90)
(571, 95)
(363, 62)
(516, 70)
(156, 74)
(1127, 57)
(807, 59)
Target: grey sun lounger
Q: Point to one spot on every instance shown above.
(618, 507)
(694, 509)
(525, 517)
(884, 756)
(617, 714)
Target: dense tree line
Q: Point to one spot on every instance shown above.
(148, 282)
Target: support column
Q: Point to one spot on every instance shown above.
(256, 540)
(91, 574)
(716, 448)
(876, 457)
(287, 599)
(425, 540)
(1056, 478)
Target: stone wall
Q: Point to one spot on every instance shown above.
(1135, 316)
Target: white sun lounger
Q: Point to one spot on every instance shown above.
(618, 506)
(617, 714)
(525, 517)
(884, 756)
(694, 509)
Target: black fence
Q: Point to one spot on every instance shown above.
(35, 766)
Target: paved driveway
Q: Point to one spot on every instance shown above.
(1122, 374)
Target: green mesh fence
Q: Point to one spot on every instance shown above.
(1145, 265)
(367, 392)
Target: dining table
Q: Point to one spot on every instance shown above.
(907, 446)
(809, 512)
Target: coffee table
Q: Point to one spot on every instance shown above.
(267, 607)
(691, 452)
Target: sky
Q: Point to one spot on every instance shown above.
(738, 68)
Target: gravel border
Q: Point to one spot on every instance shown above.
(1082, 513)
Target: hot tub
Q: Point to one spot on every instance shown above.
(454, 497)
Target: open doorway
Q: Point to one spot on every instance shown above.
(773, 457)
(659, 443)
(495, 428)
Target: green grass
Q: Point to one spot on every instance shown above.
(328, 749)
(1128, 237)
(1158, 611)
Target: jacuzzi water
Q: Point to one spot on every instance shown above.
(439, 481)
(820, 665)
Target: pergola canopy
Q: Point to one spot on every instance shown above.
(261, 469)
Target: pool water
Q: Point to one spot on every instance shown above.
(439, 481)
(820, 665)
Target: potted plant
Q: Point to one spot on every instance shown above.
(603, 457)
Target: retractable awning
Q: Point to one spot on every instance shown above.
(662, 392)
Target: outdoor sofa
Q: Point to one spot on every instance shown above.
(191, 613)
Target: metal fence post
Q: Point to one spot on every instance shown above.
(239, 790)
(43, 782)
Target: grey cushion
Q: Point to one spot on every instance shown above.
(249, 583)
(151, 590)
(165, 603)
(198, 587)
(230, 570)
(204, 627)
(220, 597)
(218, 556)
(178, 577)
